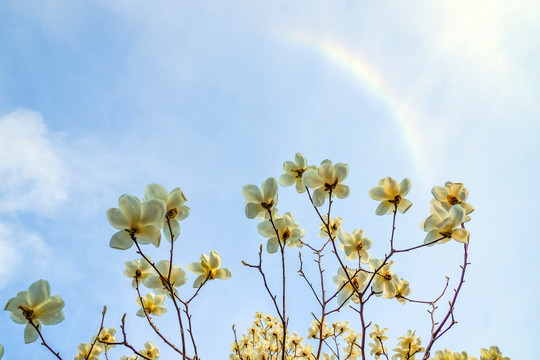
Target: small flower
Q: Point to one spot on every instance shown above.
(334, 225)
(402, 289)
(37, 306)
(294, 171)
(492, 354)
(261, 202)
(378, 333)
(106, 335)
(355, 245)
(408, 346)
(208, 268)
(383, 280)
(138, 270)
(159, 283)
(288, 231)
(136, 221)
(391, 195)
(151, 304)
(452, 194)
(150, 351)
(449, 355)
(88, 352)
(176, 210)
(326, 180)
(349, 289)
(443, 226)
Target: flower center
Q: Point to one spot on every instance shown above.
(330, 187)
(268, 205)
(355, 283)
(27, 312)
(299, 173)
(397, 200)
(286, 235)
(171, 214)
(452, 200)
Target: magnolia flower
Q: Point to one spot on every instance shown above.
(492, 354)
(408, 346)
(151, 304)
(391, 194)
(36, 306)
(159, 283)
(138, 270)
(132, 357)
(288, 231)
(443, 226)
(334, 225)
(150, 351)
(88, 352)
(327, 179)
(294, 171)
(208, 268)
(349, 289)
(261, 202)
(382, 281)
(449, 355)
(314, 331)
(355, 245)
(378, 333)
(452, 194)
(402, 289)
(176, 210)
(105, 336)
(136, 221)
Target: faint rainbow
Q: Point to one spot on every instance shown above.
(367, 78)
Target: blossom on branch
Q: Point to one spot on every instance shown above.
(138, 270)
(326, 180)
(88, 352)
(36, 306)
(151, 305)
(160, 284)
(452, 194)
(444, 226)
(355, 245)
(175, 208)
(294, 171)
(391, 195)
(208, 268)
(260, 203)
(289, 233)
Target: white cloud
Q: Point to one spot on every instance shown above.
(19, 245)
(33, 175)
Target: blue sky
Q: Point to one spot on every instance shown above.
(100, 98)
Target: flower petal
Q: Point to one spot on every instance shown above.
(149, 234)
(153, 212)
(342, 191)
(253, 210)
(319, 195)
(384, 208)
(38, 293)
(405, 187)
(155, 191)
(378, 193)
(222, 274)
(286, 179)
(30, 333)
(117, 219)
(215, 260)
(404, 205)
(440, 193)
(269, 188)
(175, 228)
(131, 208)
(252, 193)
(341, 171)
(272, 245)
(312, 179)
(121, 241)
(461, 235)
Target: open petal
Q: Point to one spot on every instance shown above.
(345, 237)
(196, 268)
(312, 179)
(286, 179)
(300, 160)
(461, 235)
(117, 219)
(52, 319)
(222, 274)
(253, 210)
(384, 208)
(272, 245)
(457, 214)
(289, 166)
(153, 212)
(38, 293)
(269, 188)
(156, 191)
(131, 208)
(342, 191)
(432, 236)
(378, 193)
(49, 310)
(319, 195)
(30, 333)
(341, 171)
(252, 193)
(199, 280)
(440, 193)
(300, 187)
(405, 187)
(149, 234)
(391, 186)
(214, 260)
(404, 205)
(121, 241)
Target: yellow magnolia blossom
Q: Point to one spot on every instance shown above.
(152, 305)
(383, 282)
(449, 355)
(333, 224)
(355, 245)
(135, 219)
(150, 351)
(37, 306)
(452, 194)
(328, 178)
(88, 352)
(348, 289)
(106, 335)
(444, 226)
(408, 347)
(138, 270)
(261, 202)
(208, 268)
(402, 289)
(289, 233)
(175, 208)
(493, 353)
(391, 194)
(176, 279)
(294, 171)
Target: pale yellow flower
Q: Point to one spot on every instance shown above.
(138, 270)
(261, 202)
(106, 335)
(176, 209)
(88, 352)
(208, 268)
(327, 178)
(177, 278)
(449, 355)
(401, 288)
(383, 283)
(294, 171)
(452, 194)
(334, 225)
(493, 353)
(391, 194)
(36, 305)
(150, 351)
(133, 219)
(355, 245)
(349, 289)
(443, 226)
(408, 347)
(288, 231)
(151, 304)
